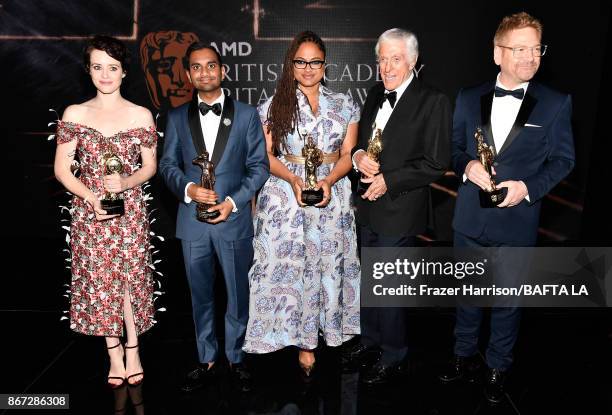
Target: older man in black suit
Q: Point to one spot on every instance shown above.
(415, 122)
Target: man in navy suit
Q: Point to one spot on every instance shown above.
(529, 127)
(232, 133)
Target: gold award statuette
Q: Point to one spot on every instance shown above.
(375, 147)
(494, 196)
(207, 182)
(313, 159)
(112, 203)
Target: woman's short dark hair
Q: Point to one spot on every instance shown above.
(195, 46)
(115, 48)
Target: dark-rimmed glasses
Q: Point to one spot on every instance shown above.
(301, 64)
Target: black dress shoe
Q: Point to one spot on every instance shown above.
(460, 367)
(199, 377)
(359, 356)
(379, 373)
(241, 377)
(494, 388)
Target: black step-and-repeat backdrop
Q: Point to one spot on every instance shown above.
(41, 45)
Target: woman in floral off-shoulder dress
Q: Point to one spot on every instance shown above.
(112, 284)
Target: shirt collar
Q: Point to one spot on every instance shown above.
(498, 83)
(400, 89)
(220, 100)
(323, 90)
(324, 94)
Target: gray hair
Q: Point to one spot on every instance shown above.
(409, 38)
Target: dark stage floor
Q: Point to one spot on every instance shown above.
(563, 362)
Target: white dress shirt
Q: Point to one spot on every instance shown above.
(503, 114)
(210, 126)
(384, 113)
(504, 111)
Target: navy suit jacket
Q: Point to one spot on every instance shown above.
(539, 150)
(240, 159)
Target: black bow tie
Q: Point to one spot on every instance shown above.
(391, 96)
(215, 108)
(517, 93)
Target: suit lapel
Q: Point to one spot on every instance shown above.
(527, 106)
(224, 130)
(193, 116)
(372, 115)
(486, 103)
(404, 108)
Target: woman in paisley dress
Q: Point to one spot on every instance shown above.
(112, 285)
(305, 274)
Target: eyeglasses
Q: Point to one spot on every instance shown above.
(524, 51)
(300, 64)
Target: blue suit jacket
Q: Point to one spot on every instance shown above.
(240, 159)
(539, 150)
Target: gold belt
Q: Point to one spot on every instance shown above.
(328, 158)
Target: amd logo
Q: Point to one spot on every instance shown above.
(233, 49)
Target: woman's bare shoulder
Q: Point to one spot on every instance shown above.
(76, 112)
(140, 116)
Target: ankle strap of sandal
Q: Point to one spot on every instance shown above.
(114, 347)
(131, 347)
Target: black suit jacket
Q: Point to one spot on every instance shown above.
(416, 152)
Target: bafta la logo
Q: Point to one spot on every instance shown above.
(162, 57)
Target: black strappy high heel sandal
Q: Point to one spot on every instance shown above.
(113, 385)
(135, 374)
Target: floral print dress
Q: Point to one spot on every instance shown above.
(108, 256)
(305, 275)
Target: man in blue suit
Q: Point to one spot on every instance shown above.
(529, 127)
(232, 133)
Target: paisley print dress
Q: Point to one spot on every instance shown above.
(305, 276)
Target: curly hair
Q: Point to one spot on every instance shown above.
(283, 109)
(115, 48)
